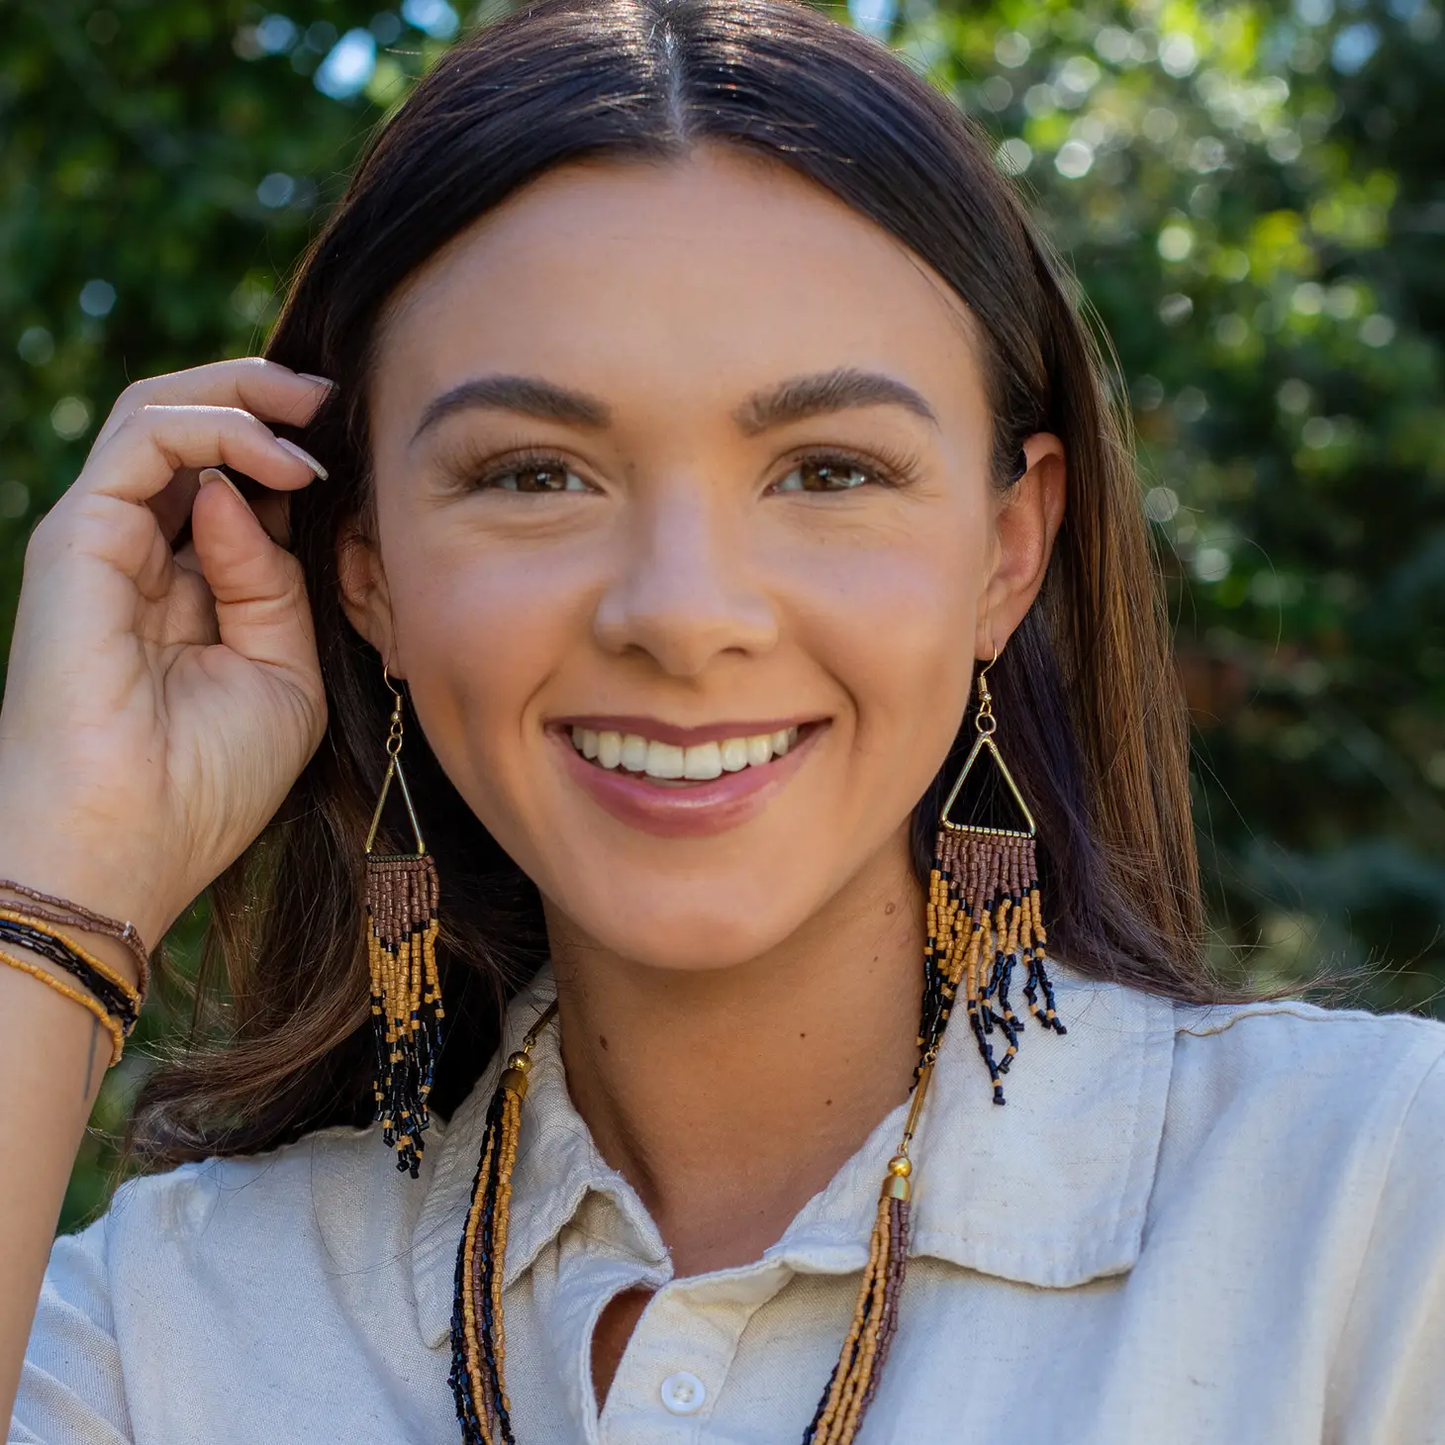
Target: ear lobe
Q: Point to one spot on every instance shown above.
(364, 595)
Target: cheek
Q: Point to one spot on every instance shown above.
(894, 623)
(480, 629)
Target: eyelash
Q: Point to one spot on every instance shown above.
(893, 470)
(475, 473)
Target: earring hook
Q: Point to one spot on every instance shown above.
(985, 718)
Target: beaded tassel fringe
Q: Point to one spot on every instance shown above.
(985, 921)
(855, 1377)
(406, 1010)
(479, 1342)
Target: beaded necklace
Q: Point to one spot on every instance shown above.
(983, 920)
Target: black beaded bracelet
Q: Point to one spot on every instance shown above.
(122, 1005)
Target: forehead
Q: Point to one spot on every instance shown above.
(697, 278)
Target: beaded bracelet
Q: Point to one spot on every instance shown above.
(112, 1024)
(119, 997)
(76, 915)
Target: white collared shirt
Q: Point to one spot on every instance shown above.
(1187, 1227)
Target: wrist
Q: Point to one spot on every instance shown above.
(78, 844)
(82, 888)
(44, 922)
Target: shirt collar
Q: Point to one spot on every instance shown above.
(1050, 1190)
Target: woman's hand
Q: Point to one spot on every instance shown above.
(160, 703)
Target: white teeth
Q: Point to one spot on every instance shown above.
(702, 762)
(664, 760)
(699, 763)
(733, 754)
(609, 749)
(634, 753)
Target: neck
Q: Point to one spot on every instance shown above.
(729, 1097)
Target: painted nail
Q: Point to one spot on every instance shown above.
(303, 456)
(215, 474)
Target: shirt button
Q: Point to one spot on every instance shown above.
(683, 1393)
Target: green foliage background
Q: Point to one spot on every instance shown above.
(1251, 192)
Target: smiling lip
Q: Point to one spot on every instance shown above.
(696, 810)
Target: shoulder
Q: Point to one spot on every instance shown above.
(1312, 1102)
(332, 1195)
(259, 1280)
(1300, 1055)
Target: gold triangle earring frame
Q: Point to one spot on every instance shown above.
(985, 917)
(987, 725)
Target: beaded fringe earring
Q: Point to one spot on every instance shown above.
(983, 920)
(406, 1008)
(985, 917)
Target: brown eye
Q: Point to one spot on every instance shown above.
(825, 474)
(535, 477)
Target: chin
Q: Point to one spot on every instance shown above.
(690, 939)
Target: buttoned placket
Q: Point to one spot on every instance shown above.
(676, 1365)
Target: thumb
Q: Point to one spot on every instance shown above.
(261, 607)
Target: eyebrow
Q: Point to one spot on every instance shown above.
(528, 395)
(792, 400)
(826, 391)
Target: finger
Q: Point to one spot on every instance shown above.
(272, 510)
(155, 443)
(183, 550)
(172, 507)
(261, 608)
(265, 388)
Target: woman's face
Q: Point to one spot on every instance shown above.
(686, 543)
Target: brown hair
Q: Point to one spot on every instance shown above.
(1096, 726)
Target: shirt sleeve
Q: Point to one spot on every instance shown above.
(1389, 1371)
(72, 1391)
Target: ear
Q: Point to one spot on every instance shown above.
(1026, 521)
(364, 595)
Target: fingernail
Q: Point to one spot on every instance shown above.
(215, 474)
(303, 456)
(319, 380)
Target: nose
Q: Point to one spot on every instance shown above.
(686, 591)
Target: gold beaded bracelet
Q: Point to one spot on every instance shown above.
(132, 995)
(112, 1024)
(76, 915)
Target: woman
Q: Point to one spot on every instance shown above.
(680, 456)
